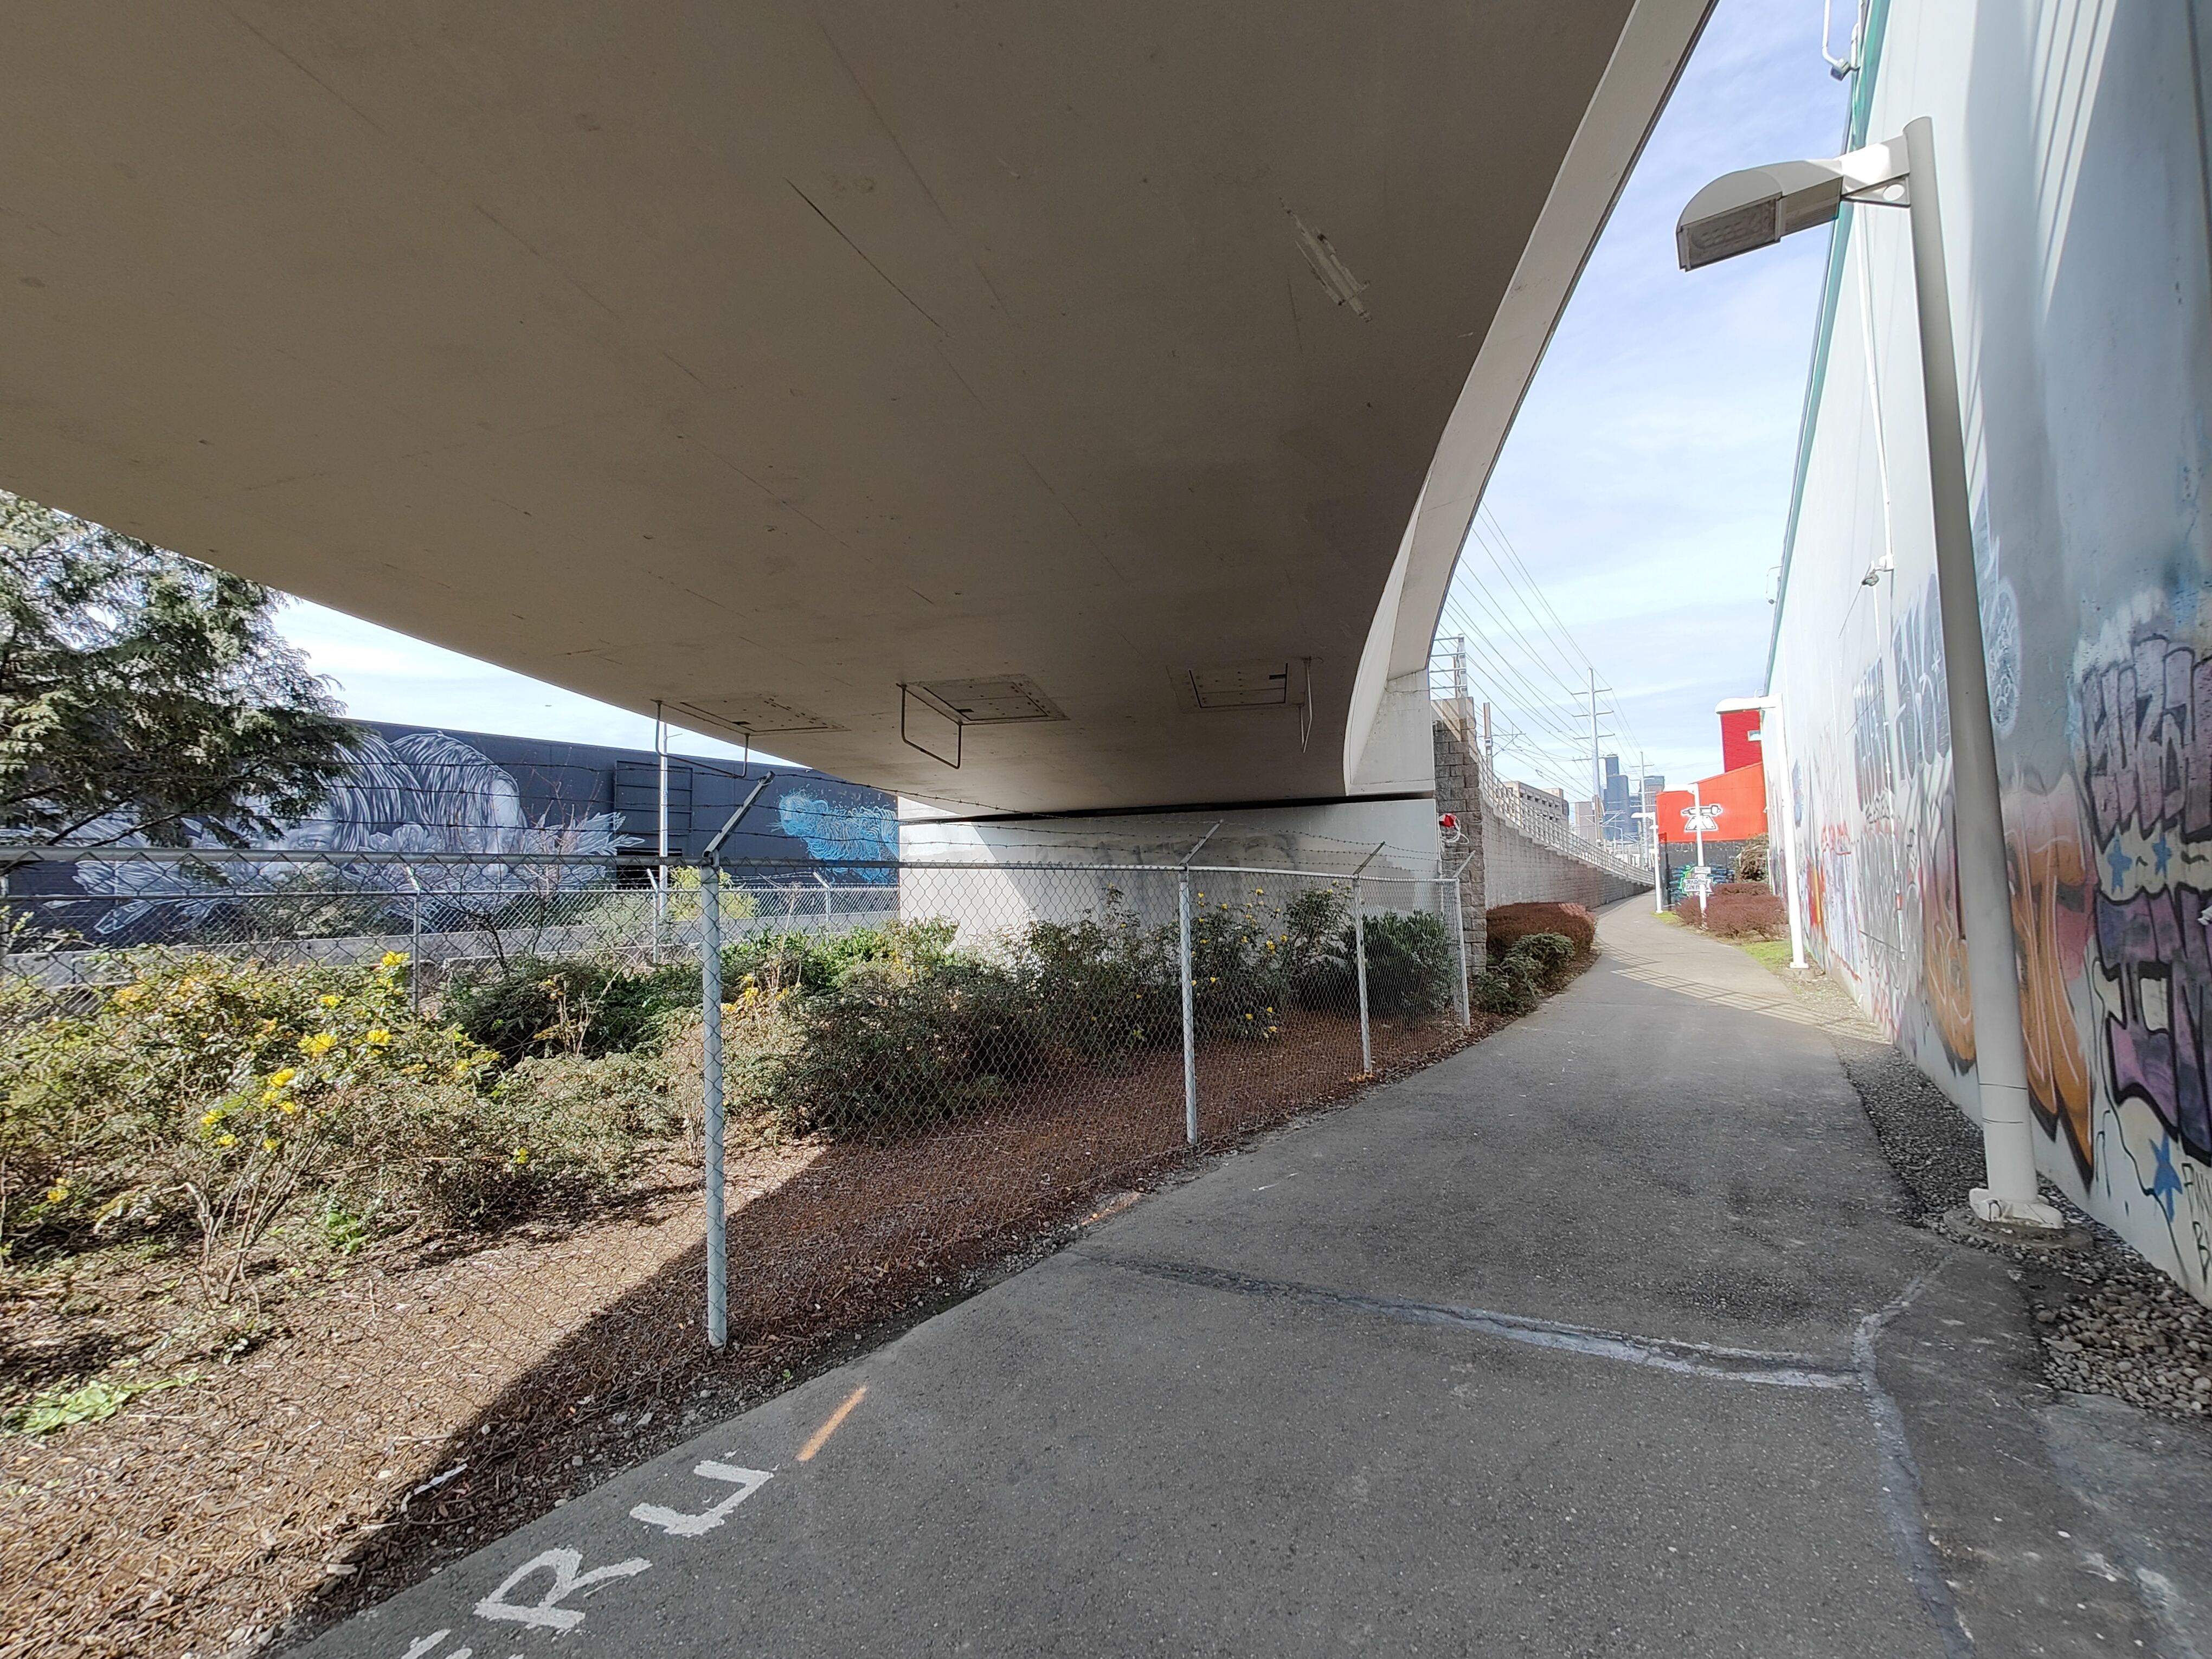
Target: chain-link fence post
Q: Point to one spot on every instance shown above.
(1359, 952)
(1459, 938)
(1189, 1022)
(710, 1001)
(415, 939)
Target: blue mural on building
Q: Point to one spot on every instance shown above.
(426, 792)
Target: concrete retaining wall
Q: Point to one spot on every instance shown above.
(1508, 868)
(1516, 871)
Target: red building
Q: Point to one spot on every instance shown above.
(1739, 739)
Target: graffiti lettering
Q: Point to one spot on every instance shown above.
(2049, 869)
(2156, 954)
(1871, 738)
(2142, 765)
(1923, 712)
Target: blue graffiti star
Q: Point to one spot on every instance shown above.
(2120, 863)
(2161, 850)
(2164, 1182)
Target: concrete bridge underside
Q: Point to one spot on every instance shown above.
(1120, 379)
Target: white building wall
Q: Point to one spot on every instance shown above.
(2070, 136)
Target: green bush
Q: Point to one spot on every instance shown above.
(1242, 969)
(1504, 989)
(574, 1006)
(219, 1089)
(1547, 953)
(895, 1047)
(227, 1098)
(1104, 986)
(553, 1126)
(1520, 973)
(1410, 963)
(803, 963)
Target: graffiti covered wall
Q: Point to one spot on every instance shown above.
(2071, 139)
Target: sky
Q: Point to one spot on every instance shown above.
(384, 675)
(1645, 484)
(1643, 488)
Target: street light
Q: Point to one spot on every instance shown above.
(1755, 208)
(1658, 860)
(1774, 745)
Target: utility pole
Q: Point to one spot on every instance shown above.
(1597, 771)
(1597, 775)
(1460, 710)
(1489, 743)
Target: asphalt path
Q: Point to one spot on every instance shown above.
(1606, 1336)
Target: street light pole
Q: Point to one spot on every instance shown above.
(1978, 817)
(1754, 208)
(1697, 825)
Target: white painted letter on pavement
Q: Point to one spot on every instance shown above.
(681, 1525)
(546, 1612)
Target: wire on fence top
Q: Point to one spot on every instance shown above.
(647, 860)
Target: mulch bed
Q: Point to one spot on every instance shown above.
(430, 1397)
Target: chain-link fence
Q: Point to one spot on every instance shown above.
(353, 1205)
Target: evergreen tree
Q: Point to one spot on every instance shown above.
(143, 694)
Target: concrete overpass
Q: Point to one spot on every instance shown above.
(1095, 395)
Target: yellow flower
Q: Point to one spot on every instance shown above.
(57, 1192)
(226, 1140)
(130, 993)
(283, 1075)
(522, 1154)
(208, 1120)
(319, 1044)
(289, 1108)
(378, 1038)
(330, 1001)
(393, 959)
(460, 1069)
(269, 1143)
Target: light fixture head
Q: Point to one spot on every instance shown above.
(1757, 207)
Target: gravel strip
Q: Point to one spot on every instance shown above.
(2111, 1322)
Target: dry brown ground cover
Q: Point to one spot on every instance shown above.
(399, 1411)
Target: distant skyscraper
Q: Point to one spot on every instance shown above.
(1620, 805)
